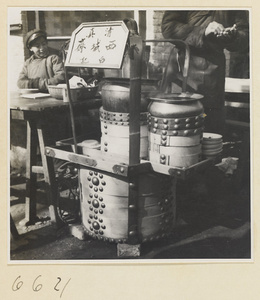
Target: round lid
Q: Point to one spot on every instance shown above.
(176, 97)
(208, 136)
(90, 144)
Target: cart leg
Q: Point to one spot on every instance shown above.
(31, 179)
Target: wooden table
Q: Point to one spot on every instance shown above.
(36, 112)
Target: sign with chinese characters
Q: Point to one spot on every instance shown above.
(98, 45)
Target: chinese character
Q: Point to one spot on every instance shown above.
(108, 32)
(95, 47)
(81, 45)
(91, 33)
(84, 60)
(111, 46)
(102, 60)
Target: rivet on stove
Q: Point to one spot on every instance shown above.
(175, 132)
(89, 221)
(89, 178)
(95, 203)
(101, 176)
(90, 173)
(176, 126)
(156, 125)
(91, 228)
(101, 232)
(101, 189)
(91, 216)
(101, 220)
(96, 195)
(91, 208)
(162, 156)
(100, 198)
(197, 124)
(103, 226)
(163, 137)
(154, 130)
(96, 211)
(132, 233)
(89, 201)
(95, 189)
(188, 125)
(177, 121)
(95, 217)
(162, 162)
(96, 231)
(187, 120)
(155, 120)
(103, 182)
(91, 195)
(105, 149)
(186, 132)
(164, 132)
(103, 205)
(101, 211)
(165, 121)
(105, 143)
(165, 127)
(195, 131)
(164, 143)
(91, 185)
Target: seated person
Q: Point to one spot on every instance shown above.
(42, 68)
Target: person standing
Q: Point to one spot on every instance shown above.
(207, 33)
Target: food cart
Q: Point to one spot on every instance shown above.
(149, 140)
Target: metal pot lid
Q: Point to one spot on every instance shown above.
(122, 80)
(209, 136)
(176, 97)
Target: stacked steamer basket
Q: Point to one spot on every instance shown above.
(105, 196)
(175, 129)
(212, 145)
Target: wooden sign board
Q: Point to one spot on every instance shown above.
(98, 45)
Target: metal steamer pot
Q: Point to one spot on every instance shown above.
(115, 94)
(175, 129)
(175, 105)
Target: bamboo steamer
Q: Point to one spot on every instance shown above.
(105, 202)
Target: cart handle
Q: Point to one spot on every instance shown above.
(186, 47)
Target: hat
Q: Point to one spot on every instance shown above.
(33, 35)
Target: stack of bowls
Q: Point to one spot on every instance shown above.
(212, 145)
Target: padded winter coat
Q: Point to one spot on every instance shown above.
(207, 60)
(40, 72)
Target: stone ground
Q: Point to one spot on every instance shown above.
(213, 223)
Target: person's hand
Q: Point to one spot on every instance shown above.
(214, 29)
(228, 33)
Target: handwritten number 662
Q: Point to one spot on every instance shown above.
(36, 286)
